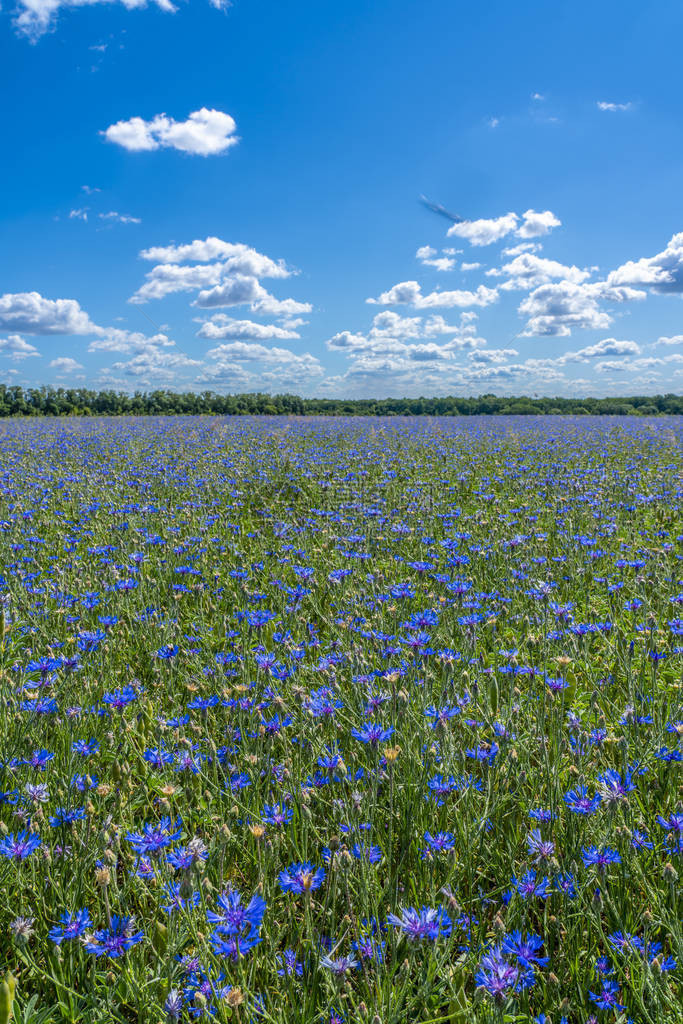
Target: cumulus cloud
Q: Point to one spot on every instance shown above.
(676, 339)
(154, 363)
(492, 355)
(204, 133)
(223, 271)
(661, 273)
(65, 364)
(208, 249)
(30, 313)
(527, 271)
(15, 347)
(427, 256)
(114, 339)
(222, 326)
(485, 231)
(554, 309)
(410, 293)
(536, 224)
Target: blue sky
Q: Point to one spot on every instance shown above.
(226, 196)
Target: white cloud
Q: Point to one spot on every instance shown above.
(470, 266)
(208, 249)
(154, 363)
(65, 364)
(528, 271)
(234, 270)
(676, 339)
(222, 326)
(116, 340)
(80, 214)
(536, 224)
(15, 347)
(35, 17)
(204, 133)
(554, 309)
(662, 273)
(613, 107)
(30, 313)
(242, 351)
(427, 256)
(119, 218)
(492, 355)
(485, 231)
(606, 347)
(409, 293)
(515, 250)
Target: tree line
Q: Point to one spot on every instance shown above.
(48, 401)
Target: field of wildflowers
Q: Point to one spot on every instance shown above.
(337, 720)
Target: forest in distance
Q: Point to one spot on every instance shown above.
(49, 401)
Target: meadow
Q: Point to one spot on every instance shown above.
(314, 721)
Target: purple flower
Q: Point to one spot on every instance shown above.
(300, 878)
(428, 923)
(496, 975)
(71, 926)
(608, 998)
(600, 858)
(529, 885)
(154, 837)
(579, 802)
(114, 941)
(19, 847)
(372, 733)
(339, 965)
(236, 918)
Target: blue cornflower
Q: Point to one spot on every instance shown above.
(613, 787)
(115, 940)
(289, 964)
(85, 747)
(600, 858)
(71, 926)
(608, 997)
(19, 847)
(369, 853)
(442, 842)
(277, 814)
(339, 965)
(118, 699)
(234, 917)
(540, 848)
(529, 885)
(234, 946)
(63, 816)
(300, 878)
(427, 923)
(178, 902)
(496, 975)
(525, 949)
(372, 733)
(579, 802)
(155, 836)
(167, 652)
(674, 823)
